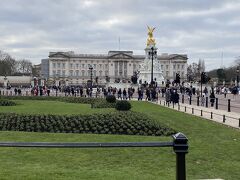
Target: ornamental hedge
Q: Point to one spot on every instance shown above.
(4, 102)
(129, 123)
(95, 102)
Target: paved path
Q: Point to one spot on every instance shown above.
(228, 118)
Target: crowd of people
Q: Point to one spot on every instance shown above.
(171, 94)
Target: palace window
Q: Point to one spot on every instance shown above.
(54, 65)
(166, 66)
(63, 73)
(77, 73)
(83, 73)
(183, 66)
(106, 73)
(58, 65)
(71, 72)
(178, 66)
(134, 67)
(174, 66)
(54, 72)
(63, 65)
(58, 72)
(71, 65)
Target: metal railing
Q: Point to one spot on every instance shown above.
(193, 110)
(223, 103)
(179, 144)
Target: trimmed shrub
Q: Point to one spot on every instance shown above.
(4, 102)
(123, 105)
(129, 123)
(103, 104)
(111, 99)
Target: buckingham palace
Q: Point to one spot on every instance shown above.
(69, 68)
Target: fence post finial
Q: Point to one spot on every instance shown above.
(180, 147)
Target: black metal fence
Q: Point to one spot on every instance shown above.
(218, 103)
(193, 110)
(179, 144)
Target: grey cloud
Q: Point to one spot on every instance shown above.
(202, 29)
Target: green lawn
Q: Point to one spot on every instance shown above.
(51, 107)
(213, 153)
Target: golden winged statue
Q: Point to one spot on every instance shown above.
(150, 40)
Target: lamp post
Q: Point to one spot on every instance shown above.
(91, 76)
(152, 53)
(237, 71)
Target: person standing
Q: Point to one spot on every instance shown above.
(119, 94)
(140, 94)
(48, 92)
(124, 94)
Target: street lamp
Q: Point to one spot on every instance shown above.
(237, 71)
(91, 76)
(152, 53)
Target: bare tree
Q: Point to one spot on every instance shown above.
(237, 61)
(7, 64)
(201, 66)
(193, 72)
(24, 66)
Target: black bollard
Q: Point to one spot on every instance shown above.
(211, 115)
(229, 105)
(201, 112)
(206, 102)
(190, 100)
(183, 98)
(216, 103)
(198, 101)
(224, 118)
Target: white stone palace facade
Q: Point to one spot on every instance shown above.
(68, 68)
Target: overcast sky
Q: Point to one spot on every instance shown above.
(206, 29)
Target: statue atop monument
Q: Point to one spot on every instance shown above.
(151, 67)
(150, 40)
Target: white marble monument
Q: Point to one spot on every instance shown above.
(150, 62)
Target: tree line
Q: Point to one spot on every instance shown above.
(227, 75)
(12, 67)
